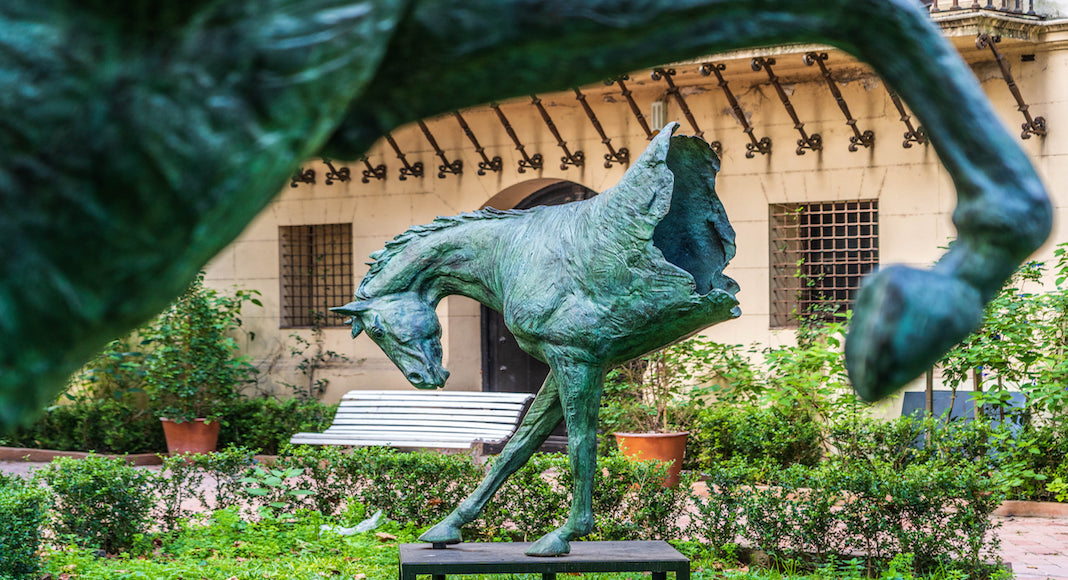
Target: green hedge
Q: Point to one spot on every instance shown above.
(755, 434)
(100, 502)
(839, 510)
(23, 512)
(120, 426)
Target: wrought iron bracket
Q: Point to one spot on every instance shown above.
(673, 90)
(409, 169)
(375, 171)
(913, 134)
(528, 161)
(811, 142)
(446, 167)
(859, 139)
(622, 156)
(630, 100)
(303, 176)
(578, 158)
(762, 145)
(1035, 126)
(341, 174)
(486, 164)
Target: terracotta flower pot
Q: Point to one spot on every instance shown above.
(659, 446)
(196, 436)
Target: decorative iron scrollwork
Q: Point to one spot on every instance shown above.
(486, 164)
(859, 139)
(408, 169)
(303, 176)
(623, 155)
(375, 171)
(341, 174)
(913, 134)
(630, 100)
(528, 161)
(811, 142)
(453, 167)
(673, 90)
(1035, 126)
(762, 145)
(578, 158)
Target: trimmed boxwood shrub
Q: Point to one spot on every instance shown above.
(754, 434)
(100, 502)
(121, 426)
(23, 512)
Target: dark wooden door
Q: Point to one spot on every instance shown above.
(505, 366)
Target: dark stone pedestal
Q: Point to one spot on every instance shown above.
(509, 558)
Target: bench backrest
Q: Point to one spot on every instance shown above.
(421, 419)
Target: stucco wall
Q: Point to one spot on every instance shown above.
(914, 193)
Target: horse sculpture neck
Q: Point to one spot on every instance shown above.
(453, 255)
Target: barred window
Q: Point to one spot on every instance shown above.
(819, 253)
(316, 273)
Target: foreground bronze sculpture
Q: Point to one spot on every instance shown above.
(136, 142)
(583, 286)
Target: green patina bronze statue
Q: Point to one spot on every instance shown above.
(582, 286)
(137, 140)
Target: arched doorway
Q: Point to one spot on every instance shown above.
(505, 367)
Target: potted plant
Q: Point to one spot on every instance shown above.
(193, 370)
(651, 402)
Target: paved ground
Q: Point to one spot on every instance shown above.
(1037, 547)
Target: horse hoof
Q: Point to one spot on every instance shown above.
(443, 533)
(551, 544)
(903, 319)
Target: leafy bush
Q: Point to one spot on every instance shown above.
(838, 509)
(267, 424)
(23, 511)
(194, 369)
(121, 426)
(104, 426)
(722, 433)
(100, 502)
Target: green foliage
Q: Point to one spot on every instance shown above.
(122, 426)
(661, 391)
(104, 426)
(312, 356)
(194, 369)
(100, 502)
(267, 424)
(23, 512)
(275, 487)
(755, 434)
(939, 515)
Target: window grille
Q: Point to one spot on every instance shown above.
(316, 273)
(819, 253)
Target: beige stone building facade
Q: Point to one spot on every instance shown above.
(861, 203)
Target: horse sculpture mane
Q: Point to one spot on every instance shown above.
(381, 258)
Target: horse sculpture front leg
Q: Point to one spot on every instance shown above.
(580, 393)
(544, 415)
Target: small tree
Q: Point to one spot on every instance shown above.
(194, 367)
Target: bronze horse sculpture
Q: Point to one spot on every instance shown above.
(583, 287)
(137, 140)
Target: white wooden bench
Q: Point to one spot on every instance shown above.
(422, 419)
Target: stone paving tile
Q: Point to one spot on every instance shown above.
(1037, 548)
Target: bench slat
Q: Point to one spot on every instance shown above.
(414, 419)
(416, 414)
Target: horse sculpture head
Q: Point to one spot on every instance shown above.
(406, 328)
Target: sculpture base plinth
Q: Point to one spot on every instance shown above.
(510, 558)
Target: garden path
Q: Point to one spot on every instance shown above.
(1037, 547)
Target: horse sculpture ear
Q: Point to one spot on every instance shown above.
(352, 309)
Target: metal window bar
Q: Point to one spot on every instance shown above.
(316, 273)
(819, 254)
